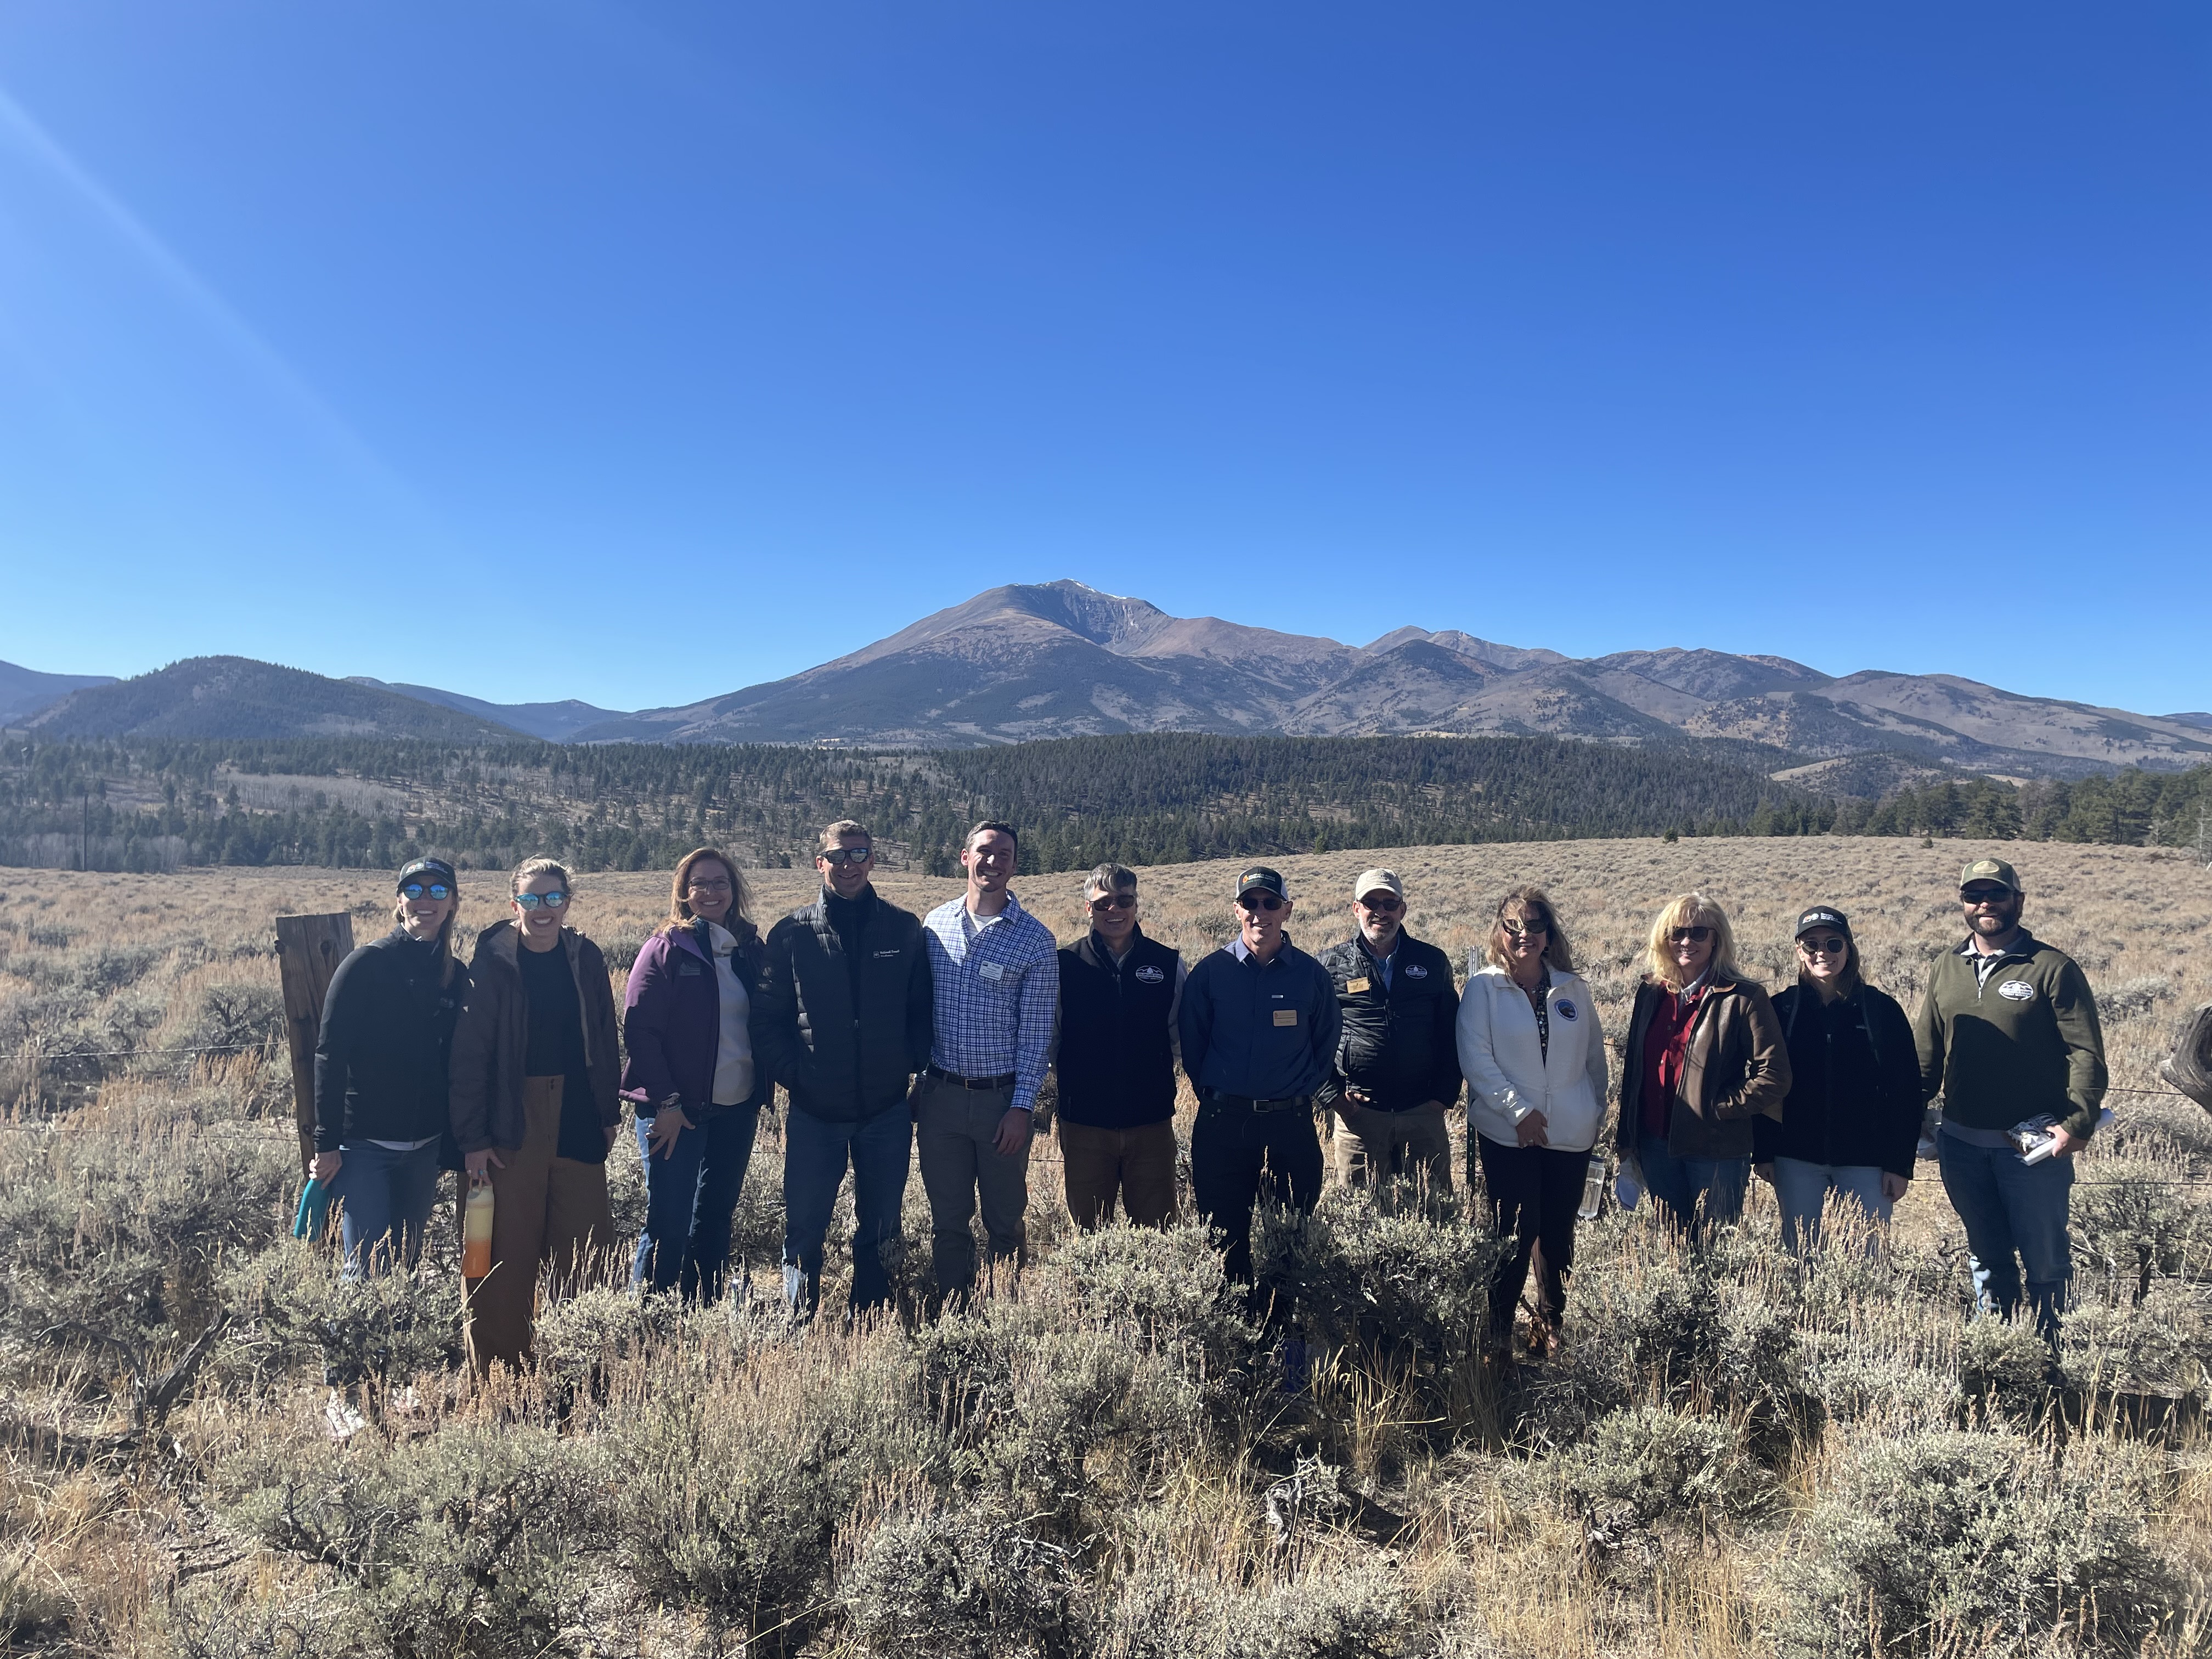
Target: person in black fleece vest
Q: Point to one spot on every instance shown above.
(1119, 993)
(841, 1018)
(381, 1062)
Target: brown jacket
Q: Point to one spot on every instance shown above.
(1737, 1068)
(493, 1037)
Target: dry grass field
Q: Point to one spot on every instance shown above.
(1733, 1456)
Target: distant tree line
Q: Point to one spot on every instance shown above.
(1150, 799)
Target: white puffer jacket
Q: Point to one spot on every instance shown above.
(1510, 1074)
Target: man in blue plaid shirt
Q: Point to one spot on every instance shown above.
(996, 969)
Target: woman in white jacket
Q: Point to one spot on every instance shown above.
(1533, 1056)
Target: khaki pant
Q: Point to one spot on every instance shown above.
(1139, 1165)
(546, 1211)
(955, 1144)
(1374, 1147)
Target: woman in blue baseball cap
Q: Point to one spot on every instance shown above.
(1851, 1120)
(381, 1073)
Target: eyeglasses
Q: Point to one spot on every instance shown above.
(1973, 895)
(1106, 902)
(1266, 902)
(1690, 935)
(1824, 947)
(714, 885)
(1383, 903)
(555, 900)
(416, 889)
(841, 857)
(1523, 929)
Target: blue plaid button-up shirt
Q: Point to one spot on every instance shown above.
(998, 993)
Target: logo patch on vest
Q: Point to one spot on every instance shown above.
(1355, 986)
(1567, 1009)
(1149, 975)
(1415, 970)
(880, 955)
(689, 970)
(2016, 990)
(1287, 1016)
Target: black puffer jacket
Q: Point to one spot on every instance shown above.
(841, 1061)
(386, 1042)
(1854, 1083)
(1399, 1044)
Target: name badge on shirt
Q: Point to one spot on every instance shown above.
(1355, 986)
(1287, 1016)
(992, 970)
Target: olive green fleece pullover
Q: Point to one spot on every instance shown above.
(2011, 1038)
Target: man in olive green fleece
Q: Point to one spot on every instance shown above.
(2007, 1032)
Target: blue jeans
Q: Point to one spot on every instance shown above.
(814, 1157)
(1801, 1189)
(2012, 1209)
(690, 1194)
(1695, 1195)
(387, 1197)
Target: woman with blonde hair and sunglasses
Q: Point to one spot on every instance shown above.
(537, 1073)
(690, 1074)
(1704, 1056)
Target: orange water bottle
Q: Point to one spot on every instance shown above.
(475, 1232)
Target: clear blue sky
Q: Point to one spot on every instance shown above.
(639, 353)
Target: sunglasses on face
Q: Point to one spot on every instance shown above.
(1971, 895)
(416, 889)
(843, 857)
(1523, 929)
(1386, 904)
(555, 900)
(1690, 935)
(1823, 947)
(1261, 901)
(1106, 902)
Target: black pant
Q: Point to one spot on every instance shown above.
(1239, 1156)
(1535, 1192)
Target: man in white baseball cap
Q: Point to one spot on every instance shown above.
(1397, 1061)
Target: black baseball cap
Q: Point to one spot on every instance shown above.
(1261, 879)
(1823, 916)
(434, 869)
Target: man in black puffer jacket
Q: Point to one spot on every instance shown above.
(1397, 1062)
(841, 1018)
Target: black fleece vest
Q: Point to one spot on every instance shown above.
(1116, 1065)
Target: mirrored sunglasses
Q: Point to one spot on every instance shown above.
(842, 856)
(553, 901)
(416, 889)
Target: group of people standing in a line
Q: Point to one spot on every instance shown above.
(902, 1040)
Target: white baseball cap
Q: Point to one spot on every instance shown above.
(1373, 881)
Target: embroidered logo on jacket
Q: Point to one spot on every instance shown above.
(2016, 990)
(1415, 970)
(880, 955)
(1567, 1009)
(1149, 975)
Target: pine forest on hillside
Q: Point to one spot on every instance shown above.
(1155, 798)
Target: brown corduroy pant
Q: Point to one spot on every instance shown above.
(1136, 1166)
(547, 1211)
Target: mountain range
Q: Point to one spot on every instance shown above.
(1057, 659)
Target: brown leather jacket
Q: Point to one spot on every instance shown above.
(492, 1040)
(1737, 1068)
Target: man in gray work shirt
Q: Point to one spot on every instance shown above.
(1259, 1024)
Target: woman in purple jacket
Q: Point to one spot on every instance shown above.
(690, 1073)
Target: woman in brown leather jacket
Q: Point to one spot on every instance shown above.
(1705, 1055)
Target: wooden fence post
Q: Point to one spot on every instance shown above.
(308, 951)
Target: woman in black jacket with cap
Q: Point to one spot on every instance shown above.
(1851, 1120)
(381, 1073)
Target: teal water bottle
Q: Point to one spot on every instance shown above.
(313, 1217)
